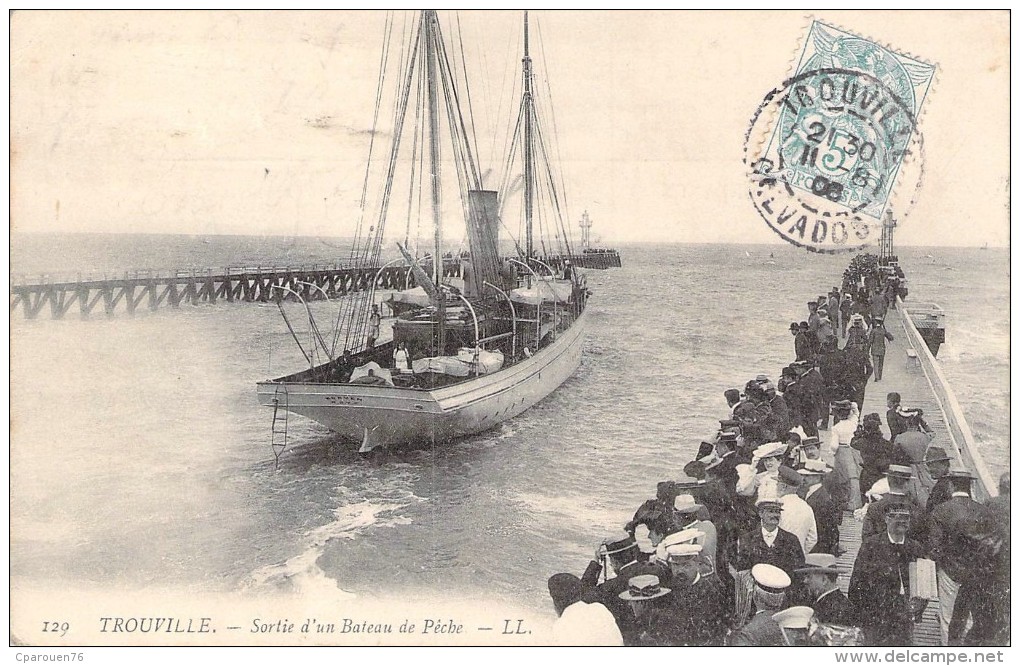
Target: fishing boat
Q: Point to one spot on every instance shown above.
(465, 354)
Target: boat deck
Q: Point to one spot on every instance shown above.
(905, 375)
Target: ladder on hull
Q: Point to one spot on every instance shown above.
(278, 434)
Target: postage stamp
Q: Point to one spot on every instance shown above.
(829, 149)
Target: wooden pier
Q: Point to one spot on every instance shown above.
(133, 290)
(912, 371)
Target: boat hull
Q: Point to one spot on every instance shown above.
(391, 416)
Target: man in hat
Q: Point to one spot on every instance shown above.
(733, 398)
(777, 403)
(620, 552)
(724, 468)
(814, 386)
(876, 340)
(956, 538)
(845, 307)
(876, 451)
(805, 343)
(832, 368)
(697, 600)
(937, 461)
(801, 404)
(831, 606)
(857, 362)
(899, 478)
(797, 516)
(814, 319)
(880, 582)
(827, 516)
(833, 307)
(654, 621)
(769, 543)
(795, 623)
(687, 510)
(770, 585)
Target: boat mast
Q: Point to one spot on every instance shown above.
(432, 76)
(529, 167)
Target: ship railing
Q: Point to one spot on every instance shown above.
(956, 423)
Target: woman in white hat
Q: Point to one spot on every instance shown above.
(759, 480)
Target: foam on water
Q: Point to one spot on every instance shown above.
(140, 454)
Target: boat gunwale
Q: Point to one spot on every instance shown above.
(542, 358)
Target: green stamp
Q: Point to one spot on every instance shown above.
(832, 143)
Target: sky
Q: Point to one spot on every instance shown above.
(242, 122)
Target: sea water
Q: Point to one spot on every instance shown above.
(140, 457)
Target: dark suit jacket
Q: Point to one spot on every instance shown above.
(785, 552)
(761, 631)
(726, 473)
(827, 520)
(896, 423)
(782, 413)
(701, 609)
(940, 492)
(608, 593)
(835, 608)
(956, 529)
(804, 345)
(880, 571)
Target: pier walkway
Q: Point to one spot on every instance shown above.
(131, 290)
(913, 372)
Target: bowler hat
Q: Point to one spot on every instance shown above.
(935, 454)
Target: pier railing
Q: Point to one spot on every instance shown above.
(129, 289)
(959, 429)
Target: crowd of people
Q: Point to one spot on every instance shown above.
(745, 549)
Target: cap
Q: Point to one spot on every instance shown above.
(841, 404)
(898, 509)
(900, 472)
(768, 503)
(795, 617)
(686, 504)
(818, 563)
(960, 474)
(770, 578)
(644, 588)
(789, 476)
(935, 454)
(681, 550)
(619, 543)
